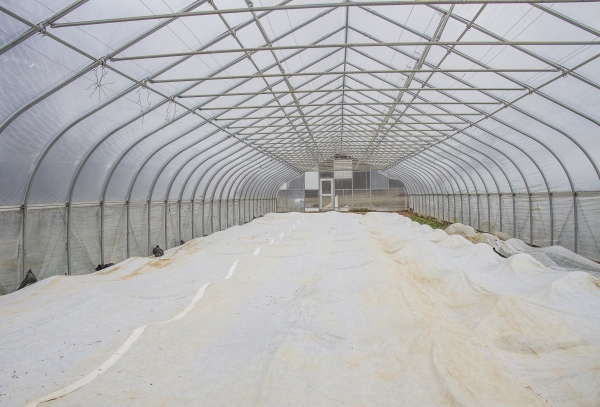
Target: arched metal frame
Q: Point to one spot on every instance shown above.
(432, 166)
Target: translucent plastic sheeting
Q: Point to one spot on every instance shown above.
(96, 239)
(384, 312)
(492, 104)
(552, 222)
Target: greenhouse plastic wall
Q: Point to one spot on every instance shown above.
(119, 239)
(129, 124)
(563, 228)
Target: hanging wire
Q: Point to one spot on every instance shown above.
(140, 102)
(100, 73)
(171, 115)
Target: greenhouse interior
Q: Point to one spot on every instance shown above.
(299, 202)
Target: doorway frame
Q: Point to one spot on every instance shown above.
(331, 194)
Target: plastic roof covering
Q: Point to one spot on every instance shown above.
(86, 118)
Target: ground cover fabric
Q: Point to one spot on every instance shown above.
(323, 309)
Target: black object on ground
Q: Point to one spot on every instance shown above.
(29, 279)
(181, 242)
(104, 266)
(498, 253)
(157, 251)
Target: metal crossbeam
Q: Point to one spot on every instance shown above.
(350, 115)
(362, 72)
(345, 104)
(309, 6)
(359, 45)
(285, 92)
(333, 124)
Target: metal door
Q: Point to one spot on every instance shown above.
(326, 194)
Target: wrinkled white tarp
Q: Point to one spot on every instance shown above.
(461, 230)
(553, 257)
(556, 258)
(301, 310)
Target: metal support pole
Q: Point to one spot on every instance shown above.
(102, 232)
(576, 237)
(149, 245)
(500, 208)
(514, 215)
(469, 206)
(551, 219)
(192, 217)
(166, 222)
(68, 239)
(489, 211)
(23, 243)
(477, 199)
(127, 219)
(202, 219)
(179, 222)
(530, 219)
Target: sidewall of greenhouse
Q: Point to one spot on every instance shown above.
(108, 233)
(115, 231)
(564, 219)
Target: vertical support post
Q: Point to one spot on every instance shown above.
(149, 243)
(469, 206)
(202, 218)
(192, 217)
(102, 232)
(212, 216)
(68, 238)
(489, 212)
(530, 219)
(127, 217)
(478, 205)
(23, 243)
(514, 215)
(551, 219)
(179, 221)
(454, 201)
(500, 209)
(166, 223)
(576, 237)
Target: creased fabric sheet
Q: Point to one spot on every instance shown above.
(333, 309)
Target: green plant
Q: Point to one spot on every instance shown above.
(360, 210)
(424, 221)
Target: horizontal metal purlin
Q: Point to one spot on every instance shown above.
(346, 104)
(372, 71)
(282, 92)
(309, 6)
(361, 139)
(352, 115)
(342, 131)
(337, 124)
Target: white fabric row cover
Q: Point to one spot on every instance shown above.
(554, 257)
(296, 309)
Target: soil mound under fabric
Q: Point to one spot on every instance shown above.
(308, 309)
